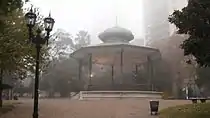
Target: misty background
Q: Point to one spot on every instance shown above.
(95, 16)
(83, 20)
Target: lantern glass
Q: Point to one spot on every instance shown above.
(30, 18)
(49, 23)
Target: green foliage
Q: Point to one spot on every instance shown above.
(203, 77)
(16, 54)
(187, 111)
(13, 46)
(162, 78)
(67, 67)
(82, 39)
(63, 40)
(17, 57)
(7, 7)
(193, 20)
(64, 82)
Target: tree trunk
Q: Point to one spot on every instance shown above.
(21, 94)
(51, 94)
(1, 89)
(64, 94)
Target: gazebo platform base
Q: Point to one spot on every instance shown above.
(91, 95)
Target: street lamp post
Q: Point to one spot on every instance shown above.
(38, 40)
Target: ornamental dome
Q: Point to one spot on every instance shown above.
(116, 34)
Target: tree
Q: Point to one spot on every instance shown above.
(203, 75)
(193, 20)
(13, 43)
(67, 67)
(82, 39)
(63, 41)
(12, 50)
(7, 7)
(174, 70)
(17, 57)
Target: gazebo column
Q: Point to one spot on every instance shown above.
(80, 69)
(90, 69)
(112, 67)
(136, 70)
(121, 65)
(150, 73)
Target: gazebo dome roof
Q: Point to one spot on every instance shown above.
(116, 34)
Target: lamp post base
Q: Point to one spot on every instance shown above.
(35, 115)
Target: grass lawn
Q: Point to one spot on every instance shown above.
(200, 110)
(8, 105)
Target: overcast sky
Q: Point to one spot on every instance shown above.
(94, 15)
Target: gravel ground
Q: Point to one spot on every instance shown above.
(66, 108)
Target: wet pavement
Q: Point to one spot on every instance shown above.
(66, 108)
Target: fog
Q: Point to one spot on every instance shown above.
(94, 15)
(145, 18)
(103, 59)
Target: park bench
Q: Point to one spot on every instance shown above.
(195, 99)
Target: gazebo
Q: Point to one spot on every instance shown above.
(117, 52)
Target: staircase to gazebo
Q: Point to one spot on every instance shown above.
(119, 87)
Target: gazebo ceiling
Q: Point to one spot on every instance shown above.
(110, 53)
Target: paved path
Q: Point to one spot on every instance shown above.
(65, 108)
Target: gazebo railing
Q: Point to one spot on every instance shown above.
(119, 94)
(119, 87)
